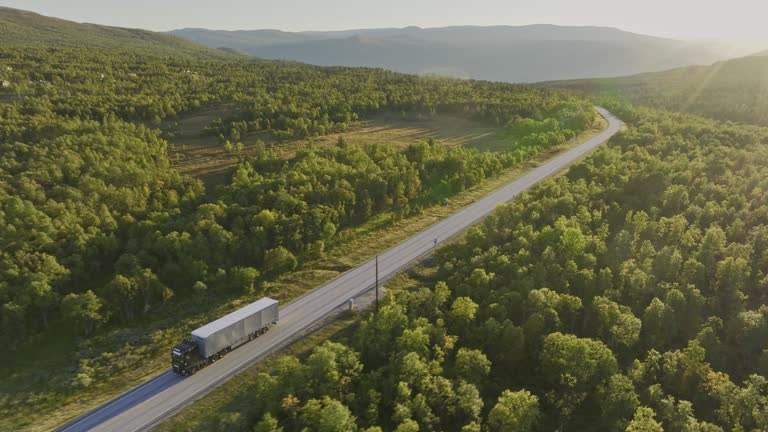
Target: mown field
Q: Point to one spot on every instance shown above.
(196, 152)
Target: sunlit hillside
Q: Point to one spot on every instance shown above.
(21, 28)
(734, 90)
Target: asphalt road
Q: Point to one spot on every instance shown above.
(148, 404)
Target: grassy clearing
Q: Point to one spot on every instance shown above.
(7, 97)
(195, 153)
(27, 401)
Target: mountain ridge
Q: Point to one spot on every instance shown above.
(531, 53)
(426, 30)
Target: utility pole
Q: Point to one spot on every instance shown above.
(377, 284)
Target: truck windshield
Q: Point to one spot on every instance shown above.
(178, 357)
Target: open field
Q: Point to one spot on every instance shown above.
(144, 346)
(198, 154)
(6, 97)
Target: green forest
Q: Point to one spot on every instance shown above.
(627, 295)
(97, 226)
(100, 235)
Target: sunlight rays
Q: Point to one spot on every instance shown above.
(711, 72)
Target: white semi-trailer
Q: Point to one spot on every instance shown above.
(213, 340)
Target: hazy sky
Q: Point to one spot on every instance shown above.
(732, 19)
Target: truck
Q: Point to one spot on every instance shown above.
(215, 339)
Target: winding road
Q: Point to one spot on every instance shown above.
(159, 398)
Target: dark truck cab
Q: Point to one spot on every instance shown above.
(186, 357)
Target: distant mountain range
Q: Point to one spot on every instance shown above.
(498, 53)
(22, 28)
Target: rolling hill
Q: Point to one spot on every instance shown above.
(734, 90)
(21, 28)
(498, 53)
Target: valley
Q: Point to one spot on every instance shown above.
(584, 252)
(498, 53)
